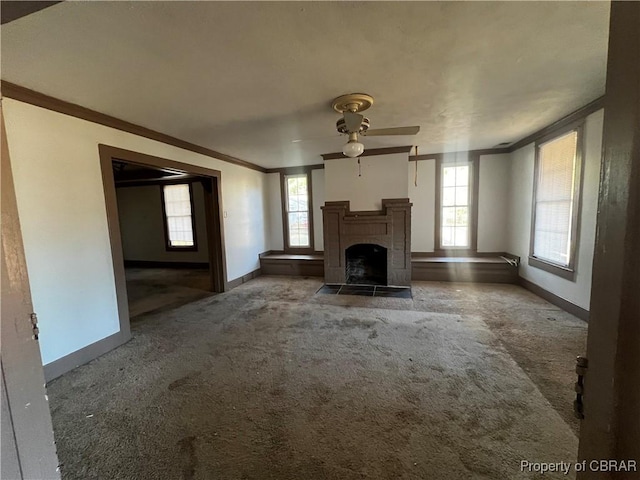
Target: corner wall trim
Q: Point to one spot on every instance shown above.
(22, 94)
(565, 305)
(236, 282)
(86, 354)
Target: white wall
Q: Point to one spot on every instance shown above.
(493, 202)
(383, 176)
(142, 225)
(577, 292)
(275, 212)
(339, 181)
(317, 189)
(423, 197)
(62, 213)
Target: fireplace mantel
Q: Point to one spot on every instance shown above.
(389, 228)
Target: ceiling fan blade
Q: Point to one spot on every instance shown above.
(353, 121)
(311, 139)
(392, 131)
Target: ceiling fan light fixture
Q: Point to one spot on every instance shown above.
(353, 148)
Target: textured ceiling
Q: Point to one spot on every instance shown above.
(248, 78)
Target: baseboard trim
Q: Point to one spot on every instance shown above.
(155, 264)
(565, 305)
(84, 355)
(236, 282)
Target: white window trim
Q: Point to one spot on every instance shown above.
(285, 213)
(565, 271)
(448, 160)
(165, 219)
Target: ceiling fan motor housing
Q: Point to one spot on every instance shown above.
(341, 126)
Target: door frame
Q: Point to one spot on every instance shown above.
(611, 393)
(28, 447)
(213, 215)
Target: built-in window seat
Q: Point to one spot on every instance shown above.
(499, 268)
(278, 263)
(495, 268)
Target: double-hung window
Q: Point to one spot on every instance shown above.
(179, 219)
(455, 206)
(297, 209)
(556, 203)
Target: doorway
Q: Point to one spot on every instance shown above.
(165, 231)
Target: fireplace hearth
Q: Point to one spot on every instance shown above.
(366, 264)
(368, 247)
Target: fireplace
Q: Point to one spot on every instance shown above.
(366, 264)
(368, 247)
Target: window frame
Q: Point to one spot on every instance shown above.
(459, 158)
(285, 213)
(165, 220)
(567, 272)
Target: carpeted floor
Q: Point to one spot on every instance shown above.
(271, 381)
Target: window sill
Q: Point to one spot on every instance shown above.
(299, 250)
(182, 249)
(455, 252)
(567, 273)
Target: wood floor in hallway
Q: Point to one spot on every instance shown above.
(157, 289)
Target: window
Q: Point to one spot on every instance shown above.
(455, 210)
(298, 216)
(178, 212)
(556, 194)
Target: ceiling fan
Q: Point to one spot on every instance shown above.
(353, 123)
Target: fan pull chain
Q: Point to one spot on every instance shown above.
(359, 168)
(415, 178)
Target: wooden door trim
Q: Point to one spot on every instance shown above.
(213, 213)
(610, 429)
(214, 216)
(21, 361)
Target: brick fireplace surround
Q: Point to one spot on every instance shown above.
(389, 228)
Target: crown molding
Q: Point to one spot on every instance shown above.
(17, 92)
(295, 170)
(22, 94)
(369, 153)
(13, 10)
(579, 114)
(565, 121)
(434, 156)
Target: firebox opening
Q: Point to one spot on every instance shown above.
(366, 264)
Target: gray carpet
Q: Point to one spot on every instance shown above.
(271, 381)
